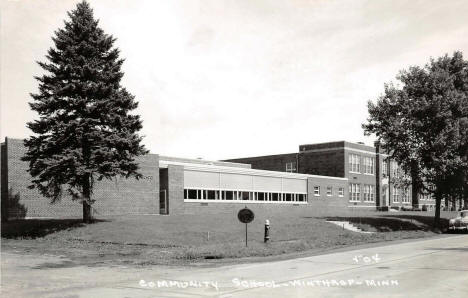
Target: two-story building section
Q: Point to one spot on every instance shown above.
(369, 171)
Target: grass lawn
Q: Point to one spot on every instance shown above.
(185, 239)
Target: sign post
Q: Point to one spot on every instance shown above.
(245, 216)
(245, 235)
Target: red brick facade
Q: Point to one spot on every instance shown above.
(161, 191)
(120, 196)
(333, 159)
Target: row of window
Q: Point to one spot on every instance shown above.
(401, 193)
(355, 164)
(355, 192)
(368, 166)
(233, 195)
(339, 191)
(425, 196)
(369, 193)
(395, 170)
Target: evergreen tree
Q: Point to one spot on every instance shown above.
(85, 131)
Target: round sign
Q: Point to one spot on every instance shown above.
(245, 215)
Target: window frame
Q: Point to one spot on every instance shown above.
(329, 191)
(291, 167)
(317, 191)
(340, 192)
(354, 163)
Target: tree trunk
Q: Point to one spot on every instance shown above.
(415, 185)
(465, 196)
(438, 199)
(415, 195)
(87, 211)
(87, 216)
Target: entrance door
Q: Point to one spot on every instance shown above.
(163, 208)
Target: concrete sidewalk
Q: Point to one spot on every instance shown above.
(426, 268)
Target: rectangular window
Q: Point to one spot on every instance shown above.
(369, 191)
(395, 194)
(354, 163)
(354, 192)
(406, 195)
(301, 197)
(394, 168)
(211, 195)
(316, 191)
(244, 195)
(341, 192)
(260, 196)
(228, 195)
(275, 196)
(191, 194)
(291, 167)
(329, 191)
(384, 168)
(369, 164)
(287, 197)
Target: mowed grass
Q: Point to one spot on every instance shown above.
(184, 239)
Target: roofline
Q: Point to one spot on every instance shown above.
(260, 156)
(341, 141)
(245, 171)
(201, 161)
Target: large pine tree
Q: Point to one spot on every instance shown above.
(85, 131)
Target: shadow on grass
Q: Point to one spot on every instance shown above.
(383, 224)
(448, 248)
(37, 228)
(426, 220)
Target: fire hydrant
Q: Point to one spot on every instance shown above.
(267, 231)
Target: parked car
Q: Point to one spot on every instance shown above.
(460, 222)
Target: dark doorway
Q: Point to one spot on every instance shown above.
(163, 192)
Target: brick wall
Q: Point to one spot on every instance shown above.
(269, 163)
(326, 163)
(119, 196)
(322, 203)
(323, 200)
(315, 207)
(172, 183)
(4, 181)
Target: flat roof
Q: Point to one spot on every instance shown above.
(243, 171)
(203, 161)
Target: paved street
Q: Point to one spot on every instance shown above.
(424, 268)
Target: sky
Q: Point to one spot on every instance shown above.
(224, 79)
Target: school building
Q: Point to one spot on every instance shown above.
(173, 185)
(368, 170)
